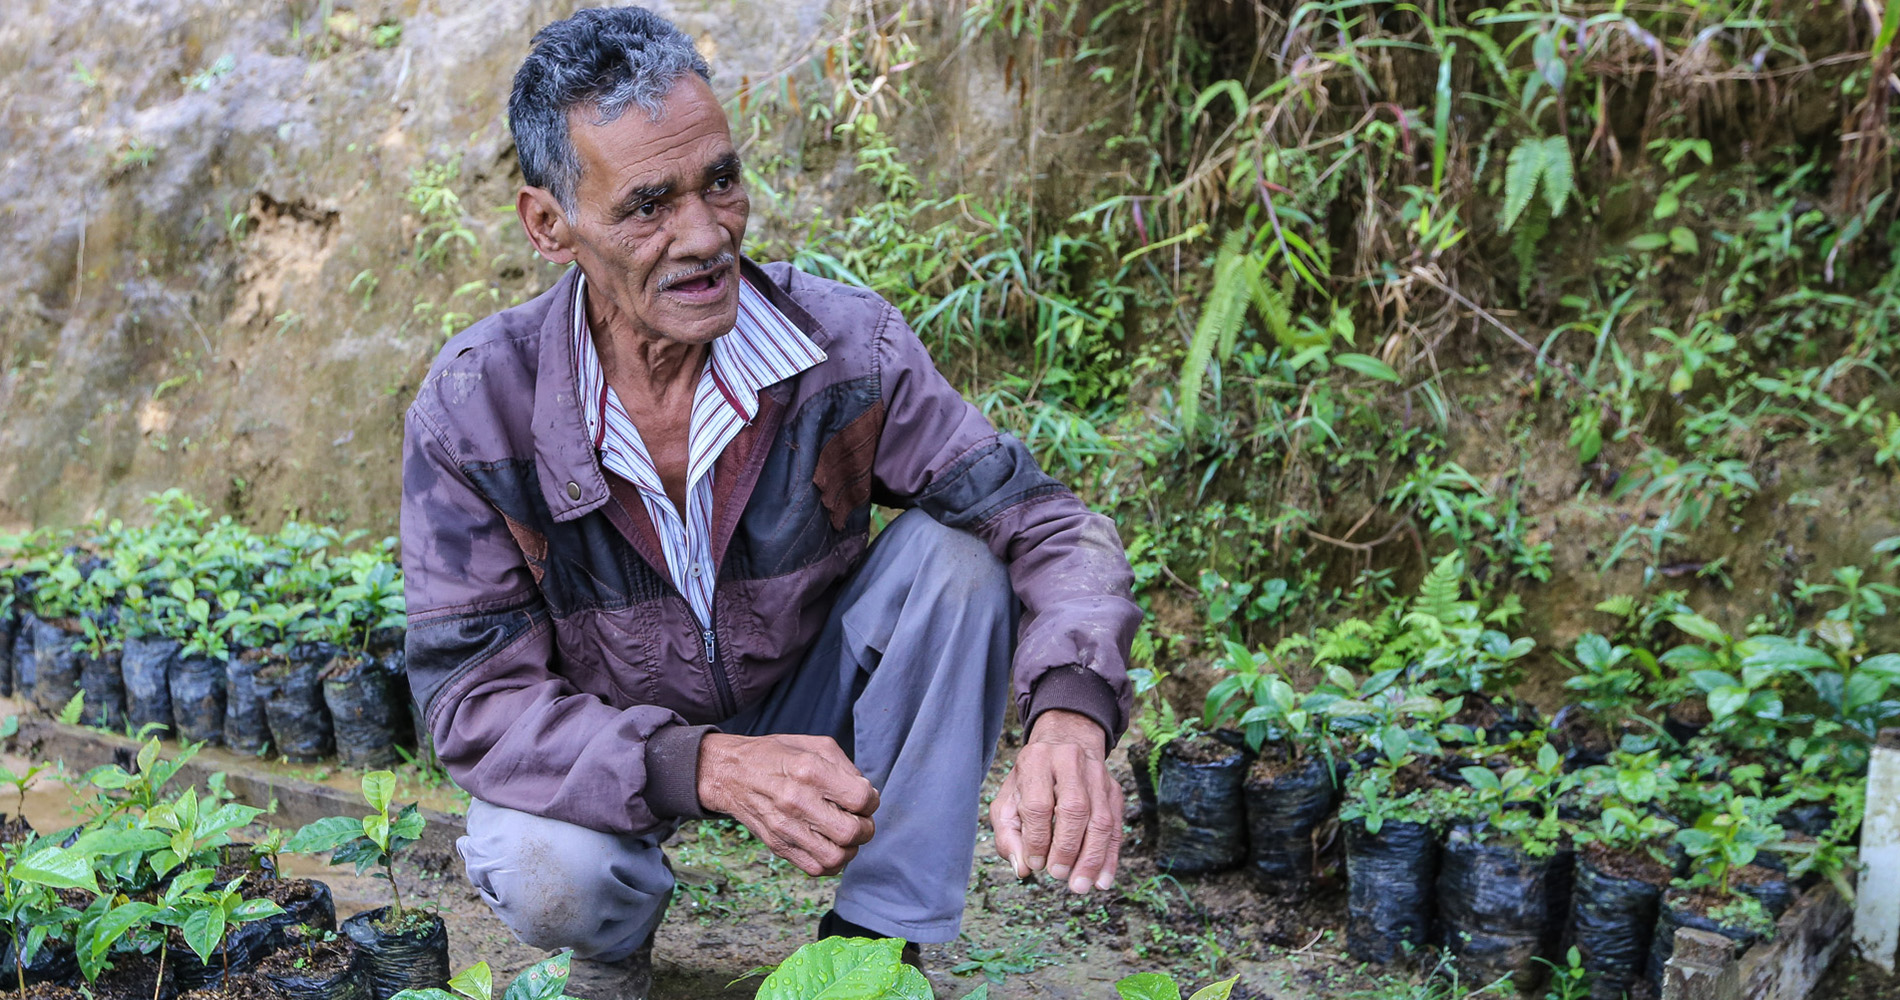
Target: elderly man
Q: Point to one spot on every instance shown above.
(636, 532)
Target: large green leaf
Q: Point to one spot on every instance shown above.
(1216, 991)
(203, 930)
(1147, 986)
(379, 787)
(56, 868)
(326, 834)
(98, 843)
(542, 981)
(837, 969)
(477, 982)
(1369, 366)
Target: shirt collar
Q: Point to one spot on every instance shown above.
(763, 348)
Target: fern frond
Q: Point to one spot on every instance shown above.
(1439, 594)
(1526, 164)
(1220, 320)
(1560, 181)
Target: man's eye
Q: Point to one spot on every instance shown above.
(646, 210)
(721, 184)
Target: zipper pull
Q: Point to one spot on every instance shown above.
(712, 649)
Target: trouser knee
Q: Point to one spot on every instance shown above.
(557, 885)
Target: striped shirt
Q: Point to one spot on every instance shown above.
(763, 348)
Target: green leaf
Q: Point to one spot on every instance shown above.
(1216, 991)
(113, 925)
(543, 980)
(70, 714)
(1148, 986)
(56, 868)
(1699, 627)
(98, 843)
(1648, 241)
(1682, 240)
(326, 834)
(379, 787)
(203, 929)
(477, 983)
(837, 969)
(1726, 701)
(254, 909)
(1369, 366)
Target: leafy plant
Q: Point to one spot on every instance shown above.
(374, 841)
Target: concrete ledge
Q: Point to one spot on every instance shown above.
(298, 801)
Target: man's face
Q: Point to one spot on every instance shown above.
(658, 217)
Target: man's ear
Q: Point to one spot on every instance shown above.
(546, 224)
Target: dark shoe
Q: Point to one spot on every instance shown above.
(831, 925)
(631, 978)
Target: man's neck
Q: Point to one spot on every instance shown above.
(653, 368)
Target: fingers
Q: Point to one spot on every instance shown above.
(1006, 821)
(1102, 840)
(1063, 811)
(1036, 802)
(833, 775)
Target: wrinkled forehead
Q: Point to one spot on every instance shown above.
(688, 137)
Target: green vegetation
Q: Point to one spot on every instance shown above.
(214, 586)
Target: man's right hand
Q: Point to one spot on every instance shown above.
(799, 794)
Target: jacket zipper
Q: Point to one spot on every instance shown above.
(728, 705)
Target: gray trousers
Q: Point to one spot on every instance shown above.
(910, 675)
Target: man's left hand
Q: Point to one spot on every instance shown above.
(1060, 810)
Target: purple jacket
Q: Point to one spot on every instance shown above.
(560, 671)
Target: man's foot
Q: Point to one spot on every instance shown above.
(832, 925)
(631, 978)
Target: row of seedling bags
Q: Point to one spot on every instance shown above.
(304, 701)
(1499, 910)
(208, 631)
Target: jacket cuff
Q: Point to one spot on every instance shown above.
(1076, 689)
(672, 790)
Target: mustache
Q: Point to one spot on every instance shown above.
(719, 263)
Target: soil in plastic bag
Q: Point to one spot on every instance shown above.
(21, 671)
(1680, 909)
(1286, 802)
(415, 956)
(356, 690)
(1140, 761)
(146, 668)
(99, 677)
(1201, 811)
(197, 687)
(1770, 885)
(1684, 720)
(306, 903)
(244, 946)
(1389, 889)
(133, 977)
(1493, 909)
(54, 962)
(55, 666)
(246, 728)
(312, 969)
(9, 627)
(1613, 915)
(293, 703)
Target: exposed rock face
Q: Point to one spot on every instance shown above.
(209, 223)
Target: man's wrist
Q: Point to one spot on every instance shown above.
(1079, 691)
(1060, 725)
(673, 764)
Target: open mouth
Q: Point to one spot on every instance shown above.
(704, 286)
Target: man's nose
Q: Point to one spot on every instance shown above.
(697, 233)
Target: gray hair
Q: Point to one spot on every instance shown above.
(609, 58)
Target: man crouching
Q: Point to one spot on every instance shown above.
(636, 537)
